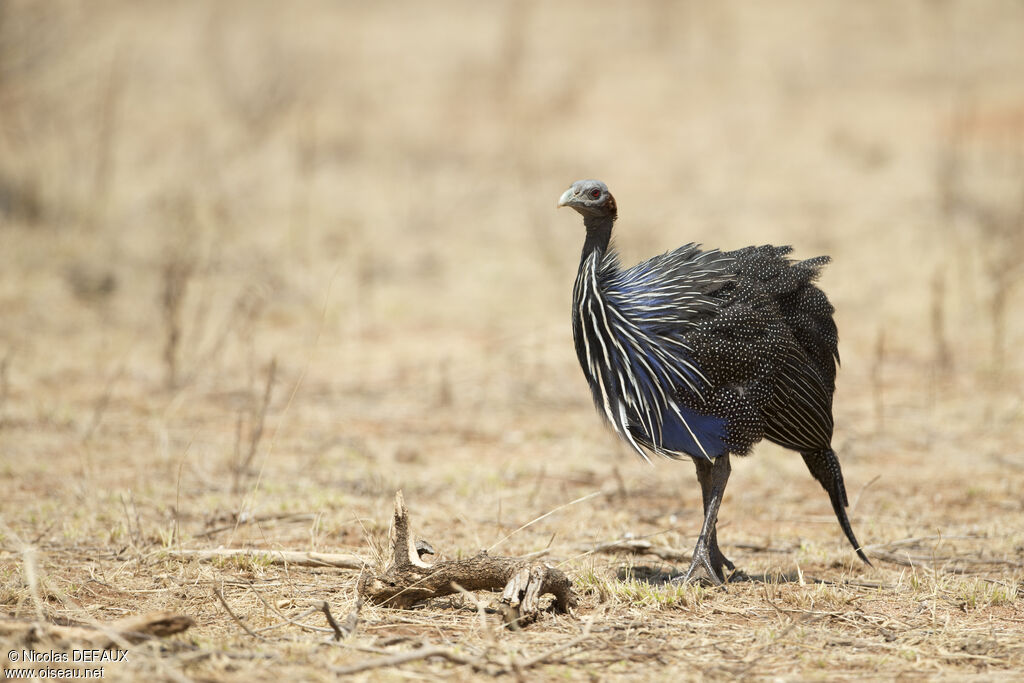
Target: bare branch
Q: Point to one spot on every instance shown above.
(279, 557)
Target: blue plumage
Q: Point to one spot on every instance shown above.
(710, 430)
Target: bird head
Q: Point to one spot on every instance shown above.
(590, 198)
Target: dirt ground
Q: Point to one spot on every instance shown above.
(263, 264)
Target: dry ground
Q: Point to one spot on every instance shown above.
(357, 201)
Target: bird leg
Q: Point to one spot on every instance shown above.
(713, 476)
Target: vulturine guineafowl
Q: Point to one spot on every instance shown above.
(704, 353)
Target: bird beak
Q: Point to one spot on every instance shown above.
(565, 198)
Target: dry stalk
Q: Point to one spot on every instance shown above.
(100, 407)
(176, 274)
(242, 465)
(258, 104)
(134, 530)
(444, 383)
(103, 172)
(239, 321)
(1003, 238)
(5, 383)
(943, 356)
(878, 381)
(998, 224)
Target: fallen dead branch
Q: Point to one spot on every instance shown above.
(408, 579)
(278, 557)
(133, 629)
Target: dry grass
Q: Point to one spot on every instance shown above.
(261, 266)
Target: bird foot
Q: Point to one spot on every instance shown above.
(707, 565)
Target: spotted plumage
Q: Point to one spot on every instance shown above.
(704, 353)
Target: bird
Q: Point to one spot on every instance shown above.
(703, 353)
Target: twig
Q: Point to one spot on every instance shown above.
(342, 631)
(326, 609)
(406, 657)
(294, 621)
(287, 620)
(220, 596)
(548, 654)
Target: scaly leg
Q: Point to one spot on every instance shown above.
(713, 476)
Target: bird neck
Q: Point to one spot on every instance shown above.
(599, 233)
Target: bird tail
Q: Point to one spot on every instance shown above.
(824, 465)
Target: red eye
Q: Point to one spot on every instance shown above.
(595, 193)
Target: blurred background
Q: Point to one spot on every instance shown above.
(336, 220)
